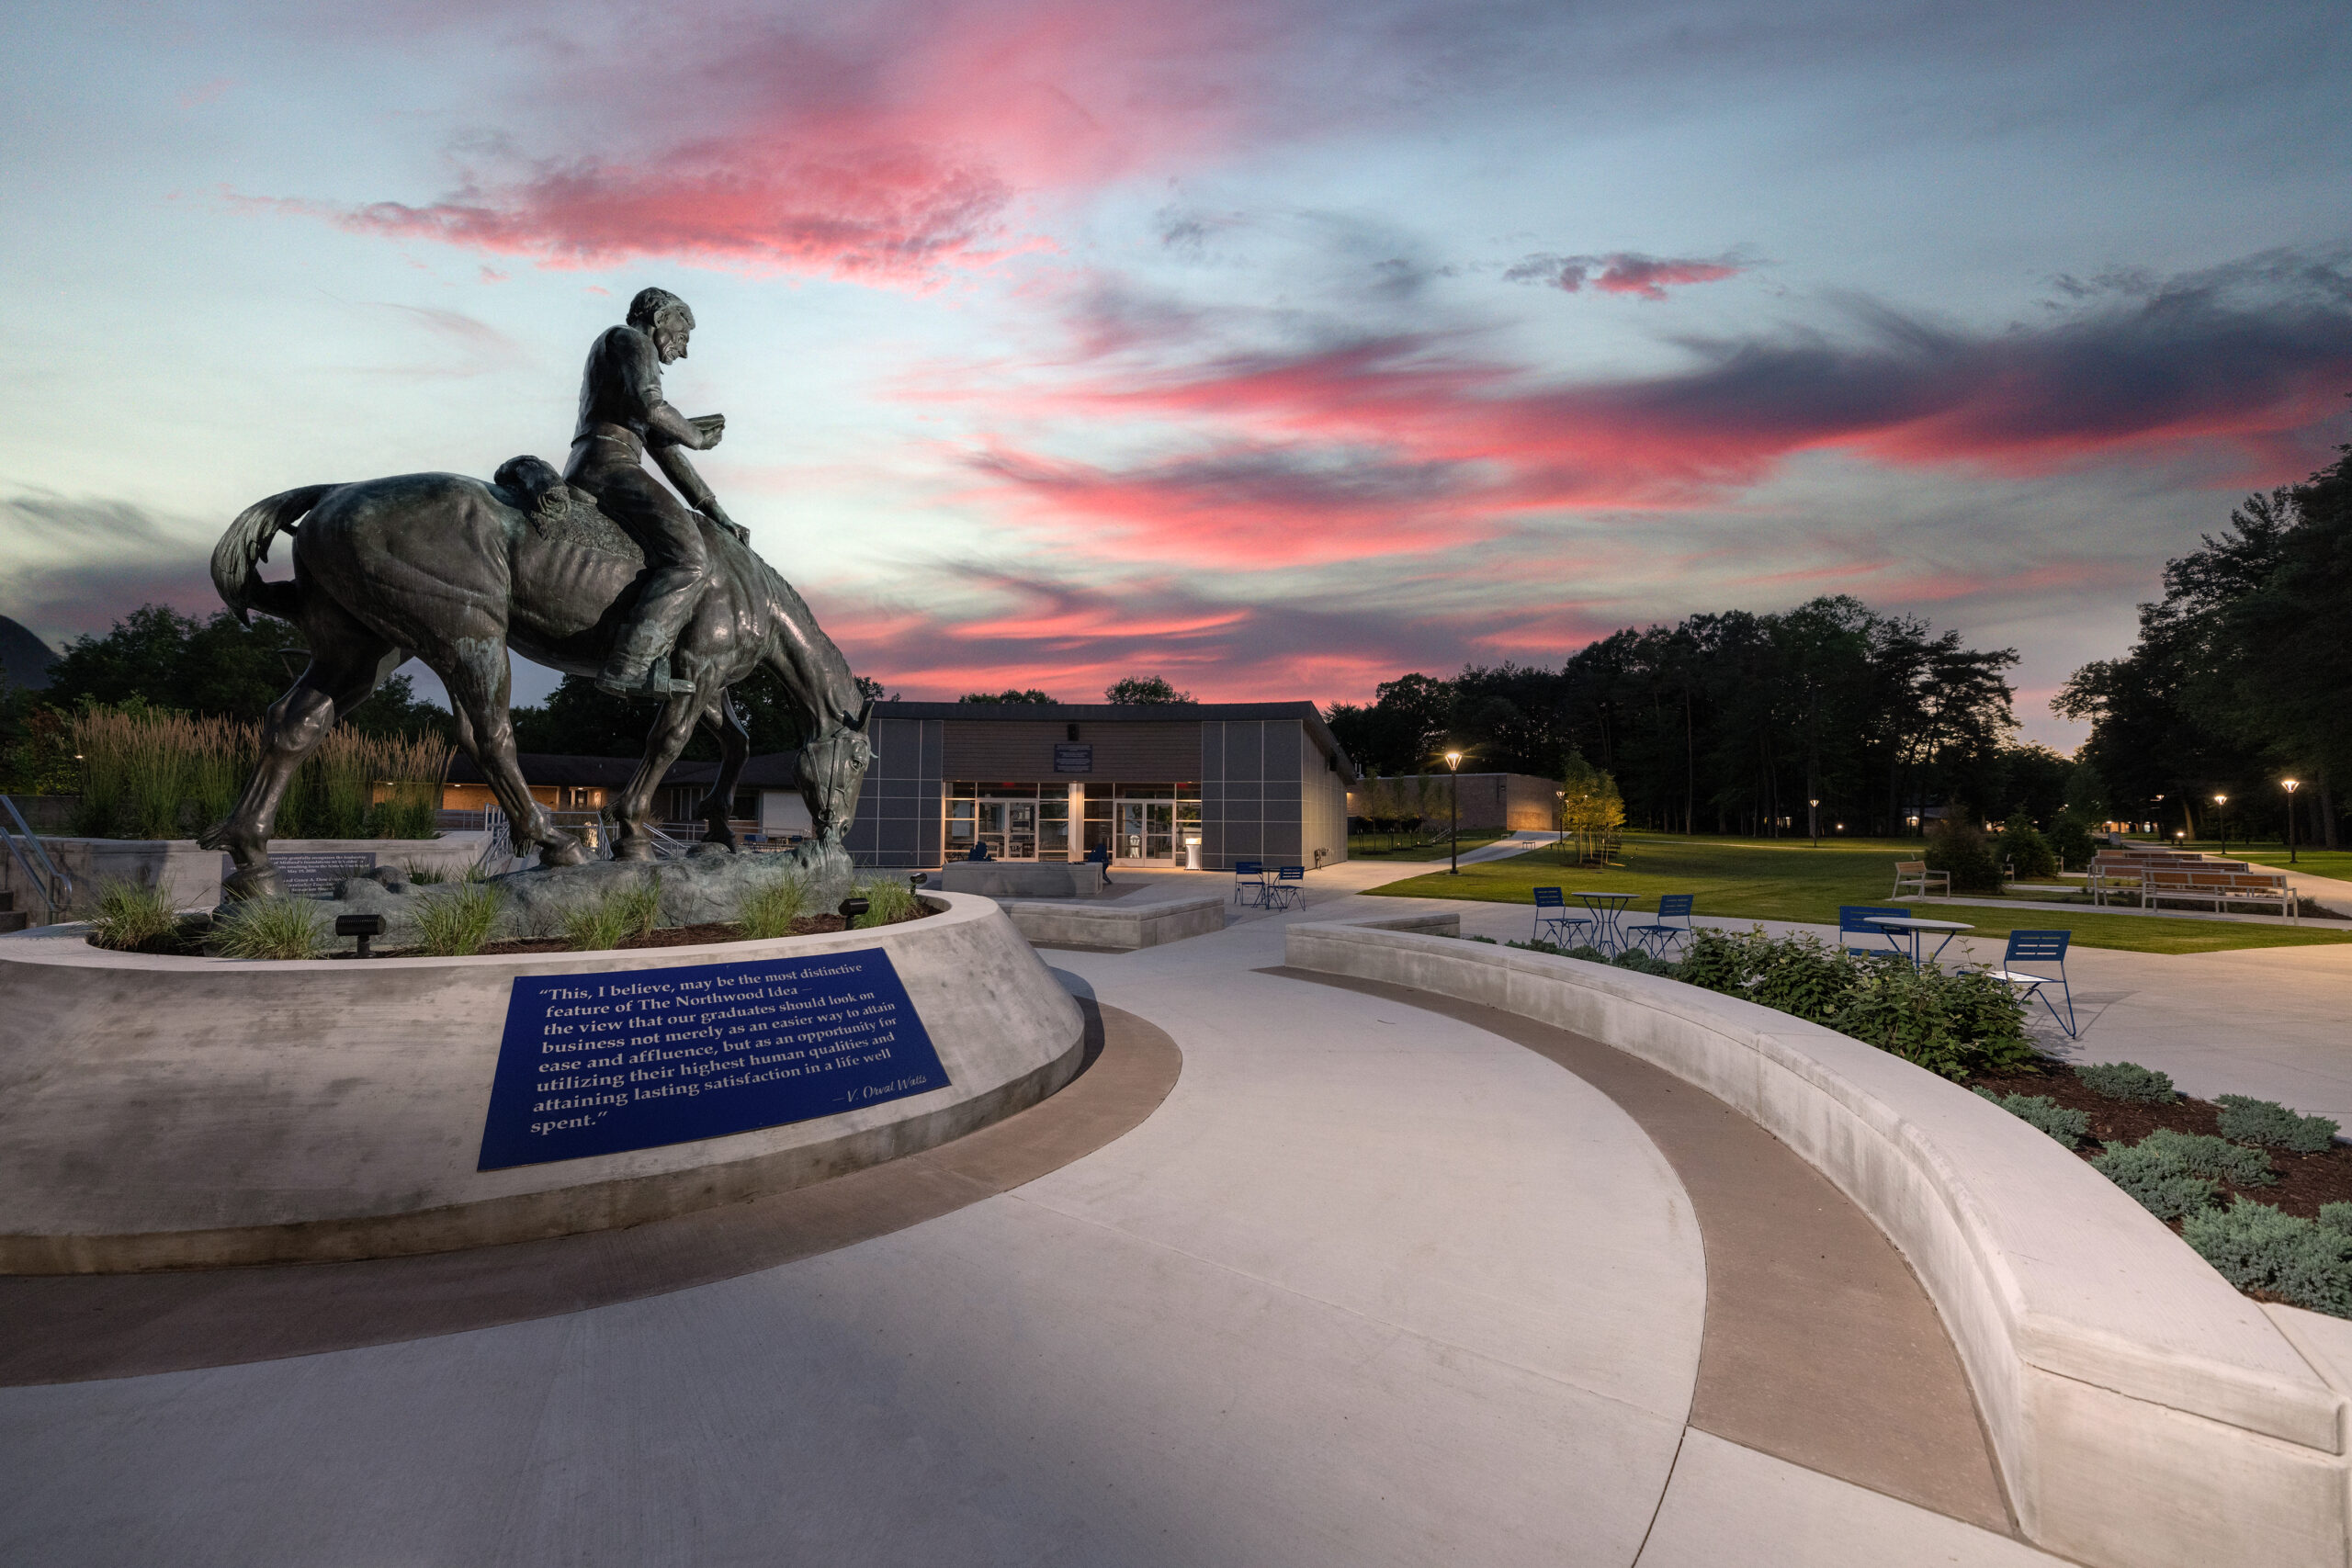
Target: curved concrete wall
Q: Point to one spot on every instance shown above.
(2143, 1411)
(173, 1113)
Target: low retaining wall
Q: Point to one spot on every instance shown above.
(193, 873)
(1108, 925)
(182, 1112)
(1023, 879)
(2143, 1412)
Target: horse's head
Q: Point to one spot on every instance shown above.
(832, 771)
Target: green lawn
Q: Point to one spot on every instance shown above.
(1791, 880)
(1374, 846)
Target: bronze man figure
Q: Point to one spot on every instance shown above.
(622, 413)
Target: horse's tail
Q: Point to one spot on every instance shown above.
(236, 560)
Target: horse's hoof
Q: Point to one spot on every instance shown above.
(565, 851)
(252, 881)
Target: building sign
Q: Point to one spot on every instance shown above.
(637, 1058)
(313, 873)
(1074, 759)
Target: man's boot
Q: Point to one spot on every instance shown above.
(651, 680)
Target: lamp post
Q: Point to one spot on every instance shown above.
(2290, 784)
(1812, 820)
(2222, 809)
(1453, 827)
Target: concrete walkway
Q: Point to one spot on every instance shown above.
(1375, 1283)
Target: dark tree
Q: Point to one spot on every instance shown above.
(1145, 691)
(1010, 695)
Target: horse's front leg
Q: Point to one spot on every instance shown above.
(668, 737)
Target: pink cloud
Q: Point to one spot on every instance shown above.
(882, 144)
(1621, 271)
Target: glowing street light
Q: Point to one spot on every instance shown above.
(1812, 820)
(1453, 831)
(2221, 808)
(2290, 785)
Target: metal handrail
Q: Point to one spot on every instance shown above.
(57, 891)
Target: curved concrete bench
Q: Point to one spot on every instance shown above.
(181, 1113)
(2141, 1410)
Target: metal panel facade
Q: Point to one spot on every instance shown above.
(898, 821)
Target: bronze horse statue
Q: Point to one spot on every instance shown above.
(456, 572)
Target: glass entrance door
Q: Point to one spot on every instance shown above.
(1021, 829)
(1148, 832)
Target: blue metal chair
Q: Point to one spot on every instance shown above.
(1552, 915)
(1672, 908)
(1290, 886)
(1854, 921)
(1250, 882)
(2041, 947)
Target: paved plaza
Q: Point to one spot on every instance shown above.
(1380, 1280)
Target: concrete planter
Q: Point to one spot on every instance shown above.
(193, 873)
(2143, 1412)
(178, 1112)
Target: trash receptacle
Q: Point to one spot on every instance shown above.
(1192, 854)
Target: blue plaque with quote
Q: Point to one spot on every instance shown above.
(635, 1058)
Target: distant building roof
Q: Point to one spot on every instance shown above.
(1128, 713)
(25, 660)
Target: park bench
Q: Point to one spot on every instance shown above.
(2160, 876)
(1912, 876)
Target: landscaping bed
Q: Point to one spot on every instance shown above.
(662, 936)
(2301, 1182)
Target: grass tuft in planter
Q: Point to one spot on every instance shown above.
(608, 922)
(770, 910)
(888, 900)
(272, 928)
(454, 924)
(2044, 1114)
(2126, 1080)
(2257, 1247)
(2247, 1120)
(129, 914)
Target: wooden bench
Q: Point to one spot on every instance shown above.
(1913, 876)
(2159, 876)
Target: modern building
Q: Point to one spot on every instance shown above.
(1039, 782)
(1518, 803)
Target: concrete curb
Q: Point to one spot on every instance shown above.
(1144, 925)
(2141, 1410)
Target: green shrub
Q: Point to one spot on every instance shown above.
(888, 899)
(2336, 1217)
(272, 928)
(2176, 1173)
(1958, 846)
(1643, 962)
(2072, 841)
(2126, 1080)
(454, 924)
(2157, 1181)
(2027, 852)
(769, 910)
(129, 914)
(1955, 1022)
(425, 875)
(2257, 1248)
(2044, 1114)
(2245, 1121)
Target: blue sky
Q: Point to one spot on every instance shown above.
(1275, 348)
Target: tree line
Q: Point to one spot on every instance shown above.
(2240, 677)
(1734, 723)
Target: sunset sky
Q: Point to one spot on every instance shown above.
(1274, 348)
